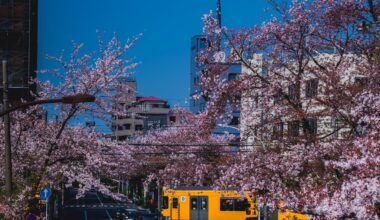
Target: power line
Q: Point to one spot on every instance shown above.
(232, 144)
(193, 152)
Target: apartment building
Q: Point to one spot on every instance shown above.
(140, 114)
(264, 121)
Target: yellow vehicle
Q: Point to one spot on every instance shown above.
(202, 203)
(281, 215)
(195, 203)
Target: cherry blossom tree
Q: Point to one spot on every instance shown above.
(314, 61)
(182, 154)
(48, 153)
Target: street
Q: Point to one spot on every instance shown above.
(95, 206)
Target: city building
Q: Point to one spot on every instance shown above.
(265, 125)
(139, 114)
(18, 46)
(198, 103)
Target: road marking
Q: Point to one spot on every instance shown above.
(85, 214)
(109, 216)
(97, 196)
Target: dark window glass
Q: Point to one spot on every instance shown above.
(294, 92)
(293, 129)
(241, 204)
(278, 131)
(202, 43)
(311, 88)
(204, 204)
(310, 126)
(232, 76)
(226, 204)
(127, 126)
(361, 81)
(139, 127)
(175, 203)
(172, 118)
(229, 204)
(165, 202)
(277, 98)
(194, 205)
(122, 138)
(234, 120)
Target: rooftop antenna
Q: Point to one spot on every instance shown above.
(219, 13)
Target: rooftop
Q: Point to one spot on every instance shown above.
(149, 99)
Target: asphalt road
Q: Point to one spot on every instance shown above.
(95, 206)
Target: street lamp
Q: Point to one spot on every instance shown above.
(71, 99)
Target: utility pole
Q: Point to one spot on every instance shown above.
(7, 136)
(378, 32)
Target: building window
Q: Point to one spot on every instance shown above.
(277, 98)
(294, 92)
(122, 138)
(234, 121)
(119, 127)
(139, 127)
(311, 88)
(361, 81)
(310, 126)
(232, 76)
(278, 131)
(336, 124)
(127, 126)
(172, 119)
(154, 124)
(202, 43)
(293, 129)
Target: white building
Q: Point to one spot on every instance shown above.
(263, 121)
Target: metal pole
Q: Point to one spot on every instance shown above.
(7, 137)
(159, 200)
(63, 193)
(47, 206)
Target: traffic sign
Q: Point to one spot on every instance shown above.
(45, 193)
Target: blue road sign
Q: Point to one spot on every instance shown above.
(45, 193)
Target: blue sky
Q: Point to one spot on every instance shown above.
(167, 25)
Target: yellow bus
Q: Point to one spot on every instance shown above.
(203, 203)
(199, 203)
(281, 215)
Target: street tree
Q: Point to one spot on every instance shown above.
(309, 97)
(54, 152)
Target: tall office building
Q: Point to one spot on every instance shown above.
(197, 102)
(18, 45)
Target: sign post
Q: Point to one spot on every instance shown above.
(45, 193)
